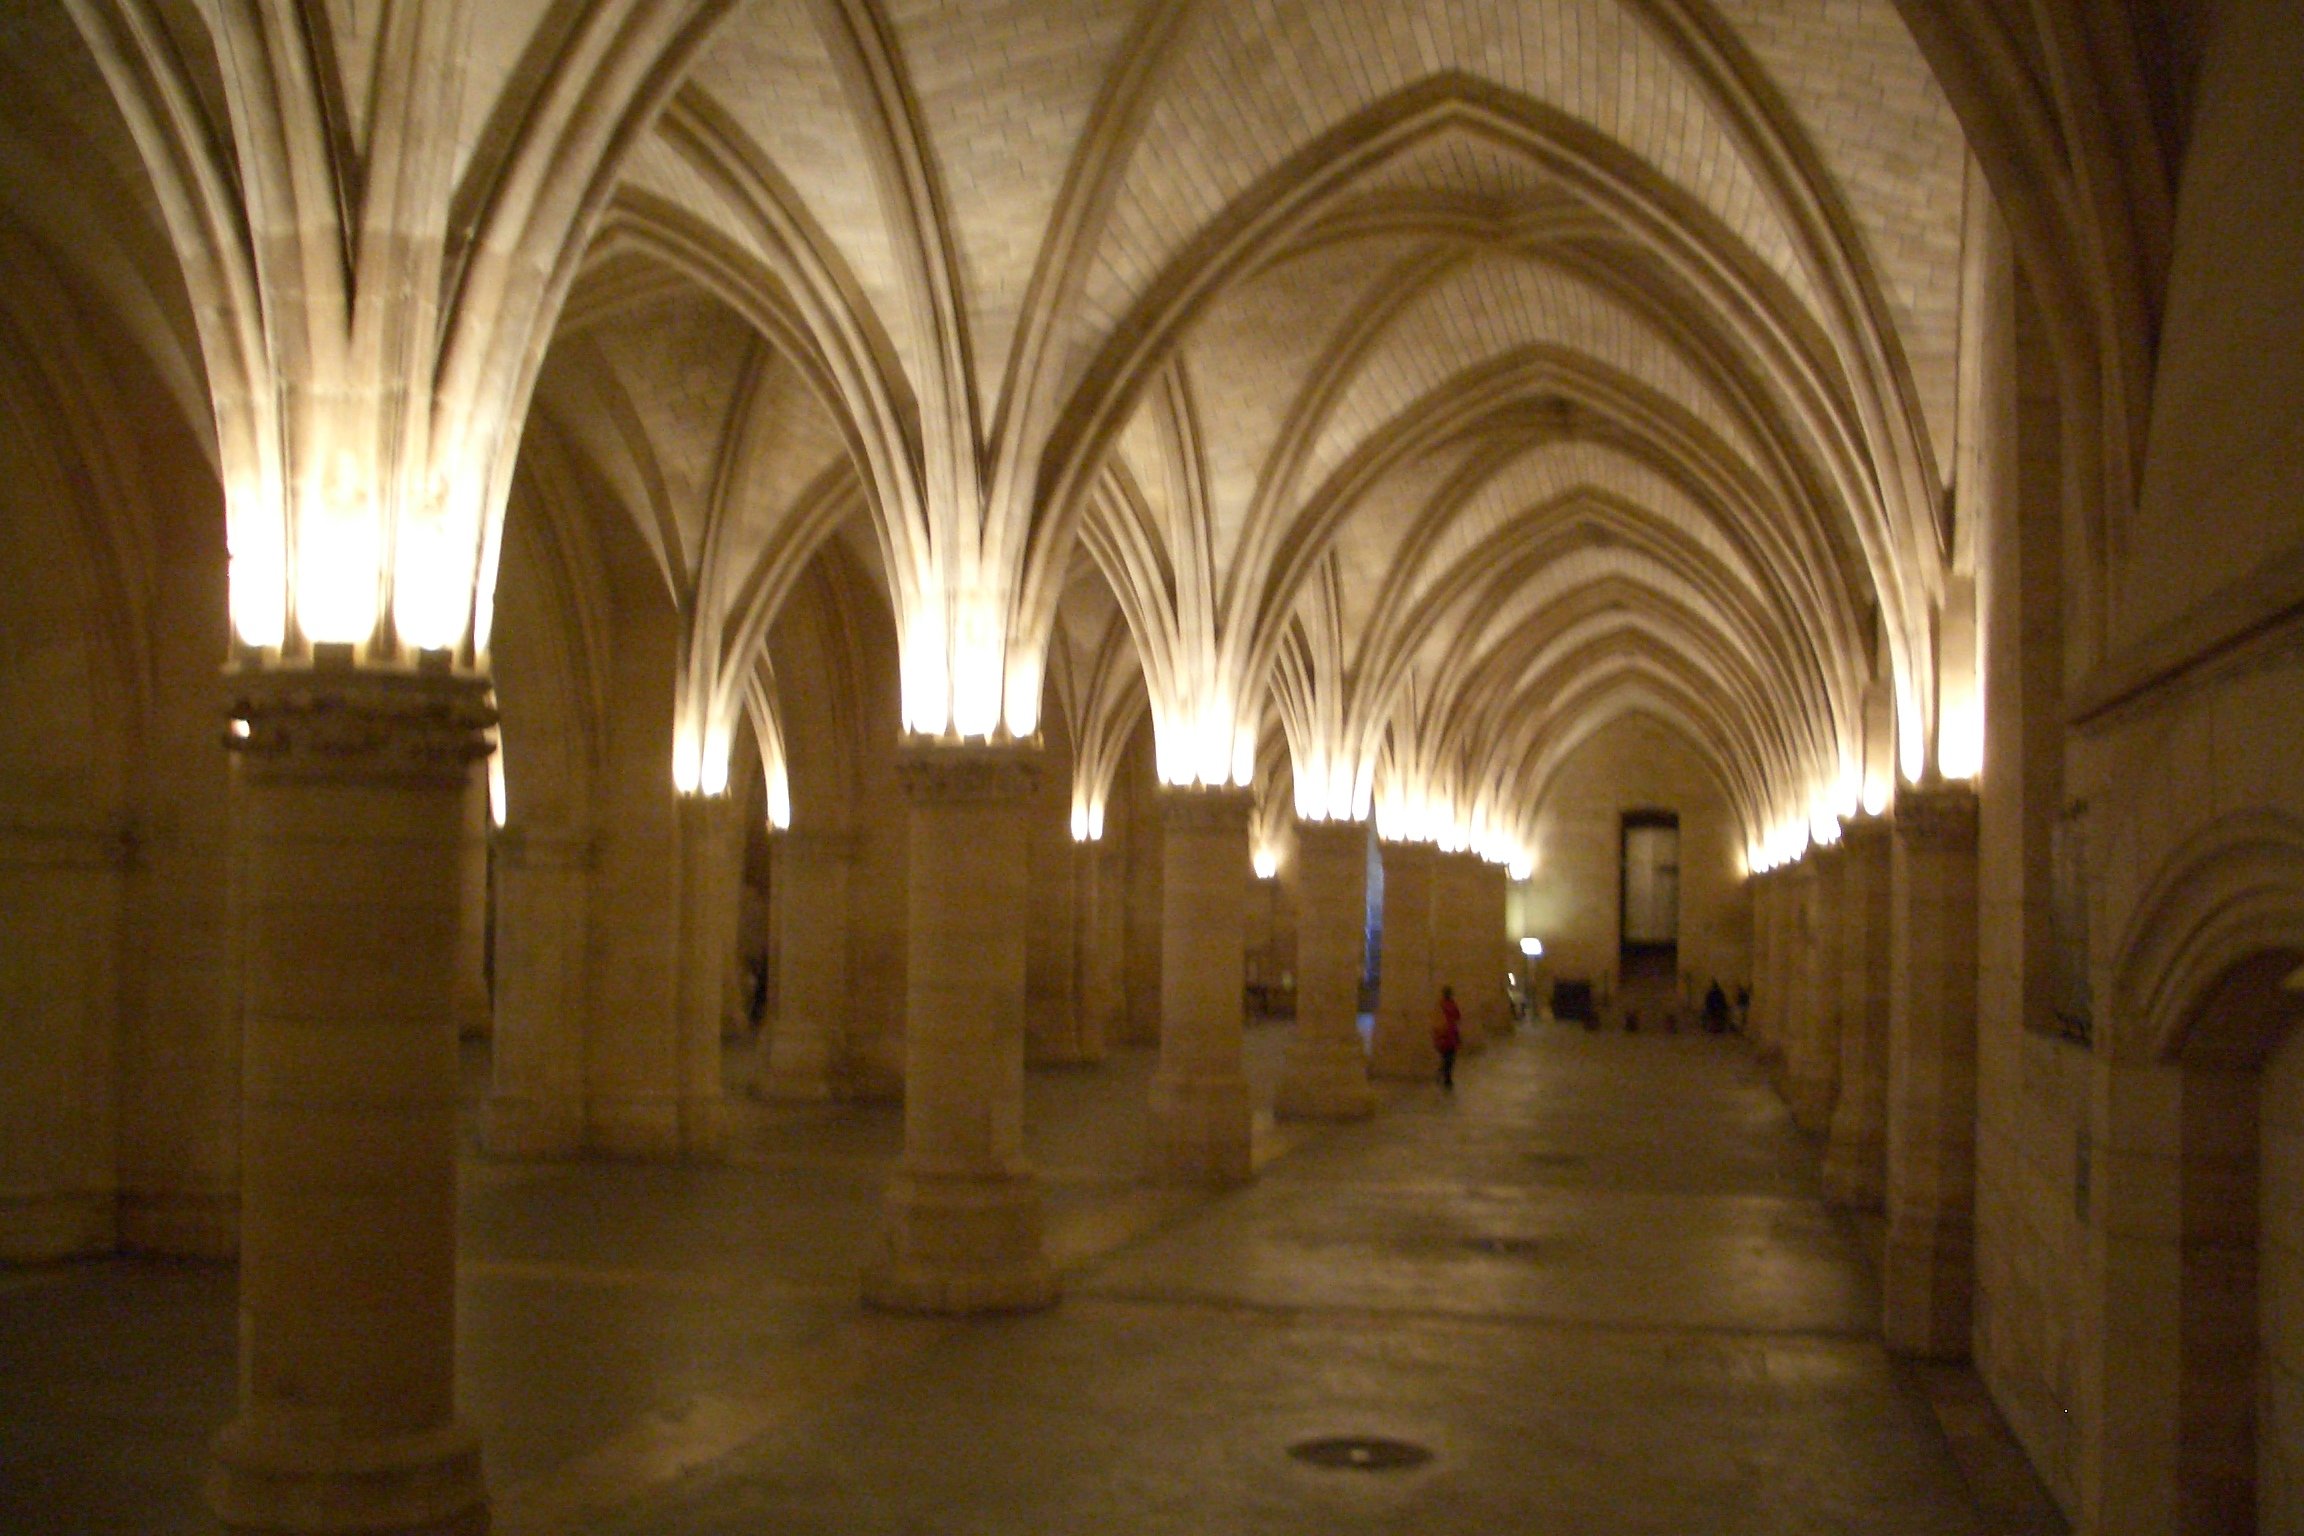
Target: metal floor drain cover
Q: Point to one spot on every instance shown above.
(1361, 1453)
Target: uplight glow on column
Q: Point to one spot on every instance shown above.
(779, 795)
(258, 571)
(432, 581)
(337, 565)
(1265, 861)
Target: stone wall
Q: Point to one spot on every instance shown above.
(1572, 902)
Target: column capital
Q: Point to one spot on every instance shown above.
(1424, 853)
(1864, 834)
(1939, 817)
(1826, 858)
(1197, 809)
(816, 843)
(328, 719)
(547, 847)
(938, 772)
(1331, 839)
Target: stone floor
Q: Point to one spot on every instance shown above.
(1597, 1284)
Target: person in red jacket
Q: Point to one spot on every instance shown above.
(1447, 1035)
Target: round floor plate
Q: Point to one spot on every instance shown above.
(1360, 1453)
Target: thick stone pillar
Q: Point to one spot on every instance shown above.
(1501, 953)
(709, 872)
(1929, 1274)
(1767, 1007)
(1855, 1158)
(1812, 1072)
(1459, 958)
(1325, 1073)
(963, 1215)
(536, 1060)
(1099, 939)
(350, 787)
(474, 1009)
(798, 1045)
(1053, 1032)
(1406, 992)
(1200, 1108)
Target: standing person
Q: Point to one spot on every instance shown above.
(1447, 1035)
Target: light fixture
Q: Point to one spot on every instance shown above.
(1532, 947)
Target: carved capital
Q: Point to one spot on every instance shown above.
(1407, 856)
(1331, 842)
(937, 772)
(1206, 810)
(1865, 834)
(329, 719)
(1940, 818)
(811, 844)
(521, 846)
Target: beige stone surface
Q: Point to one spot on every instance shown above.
(1507, 414)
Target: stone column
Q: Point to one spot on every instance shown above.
(1855, 1159)
(1501, 953)
(1325, 1074)
(536, 1061)
(810, 886)
(963, 1215)
(1767, 1007)
(1928, 1277)
(1052, 1031)
(1200, 1109)
(1458, 958)
(1812, 1076)
(1406, 991)
(1098, 939)
(708, 879)
(474, 1016)
(350, 785)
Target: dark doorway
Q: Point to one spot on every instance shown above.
(1648, 906)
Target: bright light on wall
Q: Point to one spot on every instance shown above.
(498, 806)
(432, 580)
(258, 571)
(1266, 863)
(1960, 739)
(1522, 868)
(1532, 946)
(779, 796)
(1878, 791)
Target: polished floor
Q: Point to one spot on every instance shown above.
(1596, 1285)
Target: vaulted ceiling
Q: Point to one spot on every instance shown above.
(1418, 383)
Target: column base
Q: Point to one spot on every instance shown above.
(1810, 1098)
(275, 1478)
(793, 1085)
(1324, 1083)
(519, 1126)
(667, 1129)
(1927, 1287)
(37, 1228)
(790, 1073)
(957, 1244)
(1200, 1131)
(1401, 1051)
(181, 1224)
(871, 1074)
(1855, 1166)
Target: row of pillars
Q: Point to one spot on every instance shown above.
(1864, 1011)
(350, 786)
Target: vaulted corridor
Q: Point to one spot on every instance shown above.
(1599, 1285)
